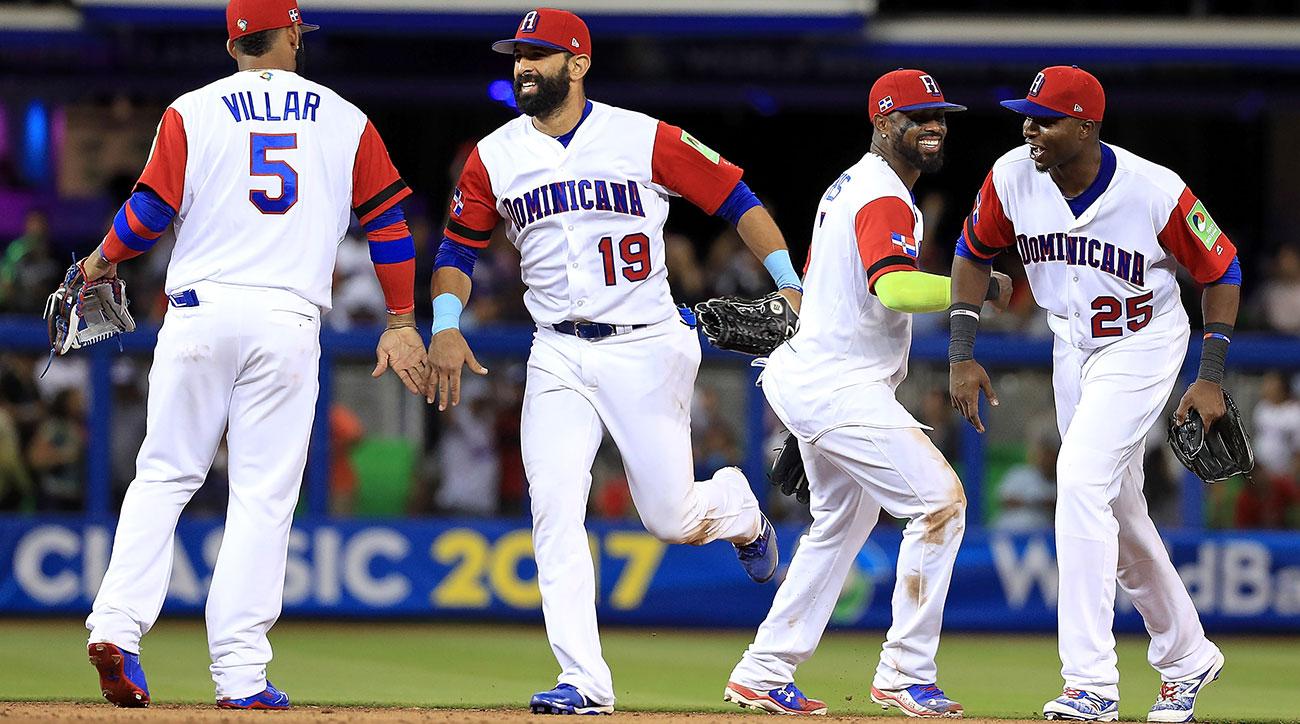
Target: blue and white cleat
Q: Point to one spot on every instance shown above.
(760, 557)
(1177, 699)
(785, 700)
(566, 699)
(268, 698)
(121, 679)
(919, 700)
(1081, 705)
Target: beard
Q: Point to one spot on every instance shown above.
(924, 162)
(300, 58)
(546, 98)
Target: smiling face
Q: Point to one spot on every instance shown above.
(917, 137)
(1055, 142)
(542, 79)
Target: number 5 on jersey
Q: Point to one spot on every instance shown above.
(260, 165)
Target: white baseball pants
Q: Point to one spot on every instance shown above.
(638, 386)
(243, 363)
(1106, 402)
(854, 472)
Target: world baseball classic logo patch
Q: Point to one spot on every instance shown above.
(1199, 221)
(906, 243)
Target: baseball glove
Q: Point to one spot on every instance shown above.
(787, 470)
(751, 326)
(80, 312)
(1215, 454)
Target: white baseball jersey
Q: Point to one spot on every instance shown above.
(1109, 272)
(588, 217)
(236, 157)
(867, 225)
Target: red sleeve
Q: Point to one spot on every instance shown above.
(691, 169)
(473, 206)
(1195, 240)
(987, 230)
(164, 172)
(884, 229)
(376, 185)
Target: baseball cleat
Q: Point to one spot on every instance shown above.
(121, 679)
(759, 557)
(566, 699)
(785, 700)
(1081, 705)
(1177, 699)
(919, 700)
(269, 698)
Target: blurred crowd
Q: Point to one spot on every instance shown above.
(467, 463)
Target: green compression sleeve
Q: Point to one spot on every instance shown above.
(914, 291)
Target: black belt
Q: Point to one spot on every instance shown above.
(594, 330)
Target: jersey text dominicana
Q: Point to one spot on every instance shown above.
(588, 217)
(1108, 273)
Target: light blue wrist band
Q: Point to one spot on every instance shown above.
(778, 265)
(446, 312)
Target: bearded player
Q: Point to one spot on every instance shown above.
(583, 188)
(833, 386)
(1101, 233)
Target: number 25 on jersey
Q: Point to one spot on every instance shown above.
(260, 144)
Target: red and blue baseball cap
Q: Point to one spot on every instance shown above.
(549, 28)
(908, 89)
(245, 17)
(1060, 91)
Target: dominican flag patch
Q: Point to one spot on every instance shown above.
(906, 243)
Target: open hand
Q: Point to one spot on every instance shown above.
(965, 381)
(448, 352)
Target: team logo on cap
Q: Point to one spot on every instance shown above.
(1037, 86)
(886, 103)
(931, 85)
(294, 15)
(243, 24)
(529, 23)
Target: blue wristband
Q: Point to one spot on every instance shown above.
(446, 312)
(778, 265)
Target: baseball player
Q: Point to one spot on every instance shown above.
(1101, 233)
(833, 386)
(583, 188)
(260, 172)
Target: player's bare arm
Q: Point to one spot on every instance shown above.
(759, 232)
(448, 350)
(1219, 303)
(966, 377)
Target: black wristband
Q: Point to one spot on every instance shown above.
(1214, 352)
(963, 324)
(995, 289)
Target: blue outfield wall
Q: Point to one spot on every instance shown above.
(447, 569)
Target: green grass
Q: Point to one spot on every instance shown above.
(447, 665)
